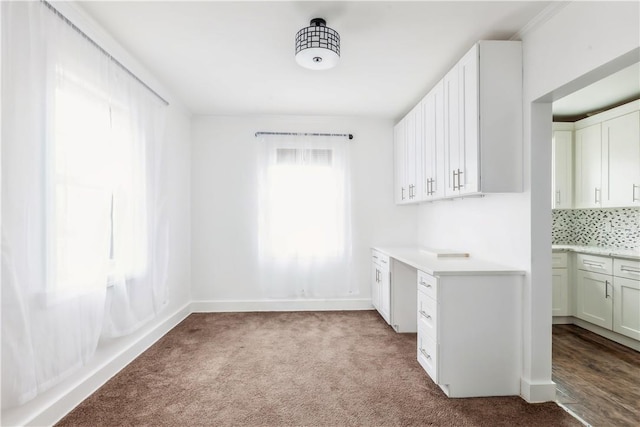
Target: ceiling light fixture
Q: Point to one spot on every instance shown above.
(317, 46)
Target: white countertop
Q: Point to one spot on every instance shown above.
(598, 250)
(428, 261)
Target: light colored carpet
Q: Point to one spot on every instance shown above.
(283, 369)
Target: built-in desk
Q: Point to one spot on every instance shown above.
(467, 313)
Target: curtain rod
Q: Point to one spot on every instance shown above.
(102, 50)
(345, 135)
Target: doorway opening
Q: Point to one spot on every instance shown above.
(595, 355)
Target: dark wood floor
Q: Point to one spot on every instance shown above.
(597, 379)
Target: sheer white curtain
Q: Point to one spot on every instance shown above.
(84, 235)
(304, 217)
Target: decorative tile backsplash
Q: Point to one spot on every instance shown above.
(613, 228)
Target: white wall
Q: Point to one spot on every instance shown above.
(560, 52)
(224, 203)
(579, 45)
(110, 357)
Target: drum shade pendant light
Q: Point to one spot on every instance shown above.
(317, 46)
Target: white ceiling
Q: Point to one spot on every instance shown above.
(238, 57)
(621, 86)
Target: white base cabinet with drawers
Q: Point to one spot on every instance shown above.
(607, 296)
(469, 333)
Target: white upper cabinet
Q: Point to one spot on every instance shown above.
(413, 143)
(432, 165)
(490, 111)
(562, 166)
(621, 161)
(407, 135)
(399, 148)
(588, 176)
(453, 153)
(470, 131)
(607, 158)
(464, 161)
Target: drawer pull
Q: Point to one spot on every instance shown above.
(425, 354)
(594, 265)
(630, 269)
(425, 315)
(423, 283)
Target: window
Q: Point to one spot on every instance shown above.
(304, 208)
(95, 199)
(304, 222)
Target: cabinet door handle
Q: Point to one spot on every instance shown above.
(455, 173)
(606, 289)
(557, 197)
(634, 198)
(425, 354)
(424, 314)
(460, 185)
(402, 193)
(596, 199)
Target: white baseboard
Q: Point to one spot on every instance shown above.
(280, 305)
(52, 406)
(562, 320)
(537, 391)
(613, 336)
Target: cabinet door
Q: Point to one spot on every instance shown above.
(401, 192)
(452, 131)
(385, 292)
(428, 158)
(594, 299)
(412, 137)
(588, 180)
(621, 161)
(626, 307)
(560, 284)
(433, 158)
(469, 121)
(562, 170)
(375, 285)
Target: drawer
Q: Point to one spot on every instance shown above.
(428, 354)
(626, 268)
(380, 259)
(427, 314)
(597, 264)
(559, 260)
(428, 284)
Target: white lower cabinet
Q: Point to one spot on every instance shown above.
(393, 292)
(626, 298)
(469, 333)
(608, 293)
(380, 285)
(595, 299)
(560, 284)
